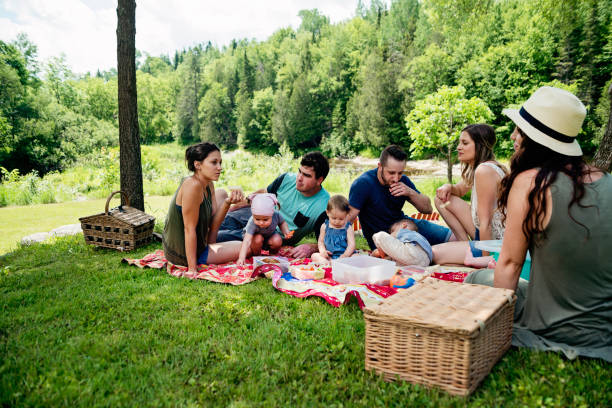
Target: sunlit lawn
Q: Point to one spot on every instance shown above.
(78, 328)
(20, 221)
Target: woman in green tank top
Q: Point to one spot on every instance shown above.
(560, 209)
(194, 216)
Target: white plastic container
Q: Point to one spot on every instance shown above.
(494, 246)
(279, 261)
(363, 269)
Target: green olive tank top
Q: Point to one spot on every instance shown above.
(174, 229)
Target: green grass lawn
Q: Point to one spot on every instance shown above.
(20, 221)
(78, 328)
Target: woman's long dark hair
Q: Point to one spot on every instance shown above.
(532, 155)
(484, 139)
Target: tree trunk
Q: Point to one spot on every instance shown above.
(603, 156)
(129, 138)
(449, 164)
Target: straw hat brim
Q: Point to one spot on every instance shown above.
(567, 149)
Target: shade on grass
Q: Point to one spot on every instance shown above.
(78, 328)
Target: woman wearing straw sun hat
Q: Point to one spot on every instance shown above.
(560, 209)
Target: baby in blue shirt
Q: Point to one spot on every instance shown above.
(260, 230)
(336, 238)
(404, 244)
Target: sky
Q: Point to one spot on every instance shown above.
(85, 30)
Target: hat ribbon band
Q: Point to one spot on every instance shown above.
(545, 129)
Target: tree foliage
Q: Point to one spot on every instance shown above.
(436, 120)
(344, 87)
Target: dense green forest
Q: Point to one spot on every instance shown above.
(345, 88)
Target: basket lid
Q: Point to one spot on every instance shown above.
(458, 307)
(131, 215)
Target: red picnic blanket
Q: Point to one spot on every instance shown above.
(336, 294)
(225, 273)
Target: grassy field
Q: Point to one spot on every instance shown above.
(78, 328)
(20, 221)
(163, 166)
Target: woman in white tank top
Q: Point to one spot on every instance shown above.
(480, 220)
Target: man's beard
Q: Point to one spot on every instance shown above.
(385, 181)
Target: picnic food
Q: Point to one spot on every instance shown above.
(310, 271)
(400, 281)
(270, 264)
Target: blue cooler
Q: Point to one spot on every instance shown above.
(494, 247)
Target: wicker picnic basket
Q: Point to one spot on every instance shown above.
(123, 228)
(438, 333)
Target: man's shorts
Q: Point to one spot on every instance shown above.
(434, 233)
(233, 224)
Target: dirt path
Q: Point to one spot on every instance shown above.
(414, 168)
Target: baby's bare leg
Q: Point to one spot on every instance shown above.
(275, 242)
(256, 244)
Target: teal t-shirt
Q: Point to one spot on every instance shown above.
(300, 212)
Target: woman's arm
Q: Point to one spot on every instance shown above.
(444, 192)
(487, 199)
(514, 247)
(246, 244)
(321, 243)
(192, 194)
(350, 243)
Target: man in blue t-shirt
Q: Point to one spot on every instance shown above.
(302, 202)
(378, 196)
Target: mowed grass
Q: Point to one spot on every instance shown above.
(78, 328)
(20, 221)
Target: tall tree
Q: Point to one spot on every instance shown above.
(377, 104)
(130, 167)
(188, 101)
(603, 157)
(435, 121)
(313, 21)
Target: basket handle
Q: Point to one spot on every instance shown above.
(124, 195)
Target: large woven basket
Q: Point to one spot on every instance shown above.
(123, 228)
(438, 333)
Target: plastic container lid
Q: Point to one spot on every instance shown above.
(494, 245)
(363, 269)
